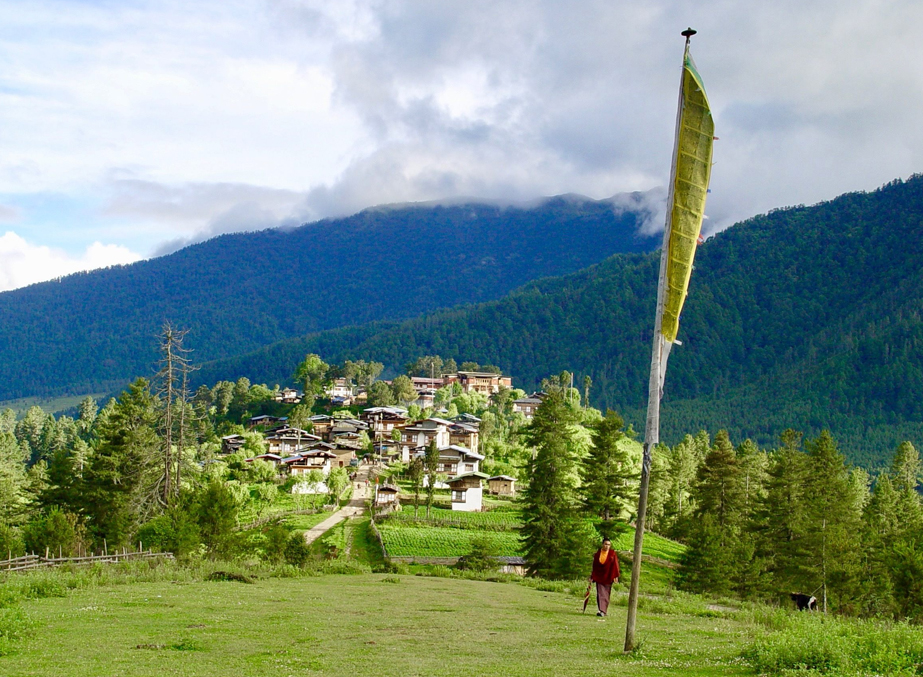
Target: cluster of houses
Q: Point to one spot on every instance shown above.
(393, 437)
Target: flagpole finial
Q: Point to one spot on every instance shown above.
(688, 33)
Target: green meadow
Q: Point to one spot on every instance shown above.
(381, 624)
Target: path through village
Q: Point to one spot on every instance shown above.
(355, 506)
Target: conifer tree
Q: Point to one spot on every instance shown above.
(833, 525)
(780, 518)
(712, 559)
(122, 480)
(555, 541)
(606, 475)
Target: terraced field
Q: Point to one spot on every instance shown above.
(407, 541)
(449, 534)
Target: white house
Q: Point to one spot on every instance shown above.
(467, 494)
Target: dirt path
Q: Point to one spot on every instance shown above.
(355, 507)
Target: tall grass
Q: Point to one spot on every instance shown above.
(807, 643)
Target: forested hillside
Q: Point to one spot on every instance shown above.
(95, 331)
(807, 317)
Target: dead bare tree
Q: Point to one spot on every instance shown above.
(173, 378)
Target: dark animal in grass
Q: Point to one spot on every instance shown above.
(804, 602)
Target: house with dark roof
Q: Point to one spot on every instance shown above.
(467, 494)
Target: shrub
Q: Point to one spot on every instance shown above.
(174, 531)
(838, 645)
(481, 557)
(11, 544)
(297, 552)
(57, 531)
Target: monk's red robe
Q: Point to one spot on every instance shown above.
(605, 573)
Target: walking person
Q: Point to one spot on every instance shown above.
(605, 572)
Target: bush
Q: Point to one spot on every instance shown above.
(57, 531)
(174, 531)
(482, 556)
(297, 552)
(274, 546)
(11, 544)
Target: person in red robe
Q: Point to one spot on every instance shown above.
(605, 573)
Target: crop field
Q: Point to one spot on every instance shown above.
(443, 542)
(493, 520)
(449, 533)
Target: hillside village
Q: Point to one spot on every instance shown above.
(386, 436)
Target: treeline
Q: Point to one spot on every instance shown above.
(805, 318)
(90, 332)
(758, 523)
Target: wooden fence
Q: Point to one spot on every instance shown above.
(30, 562)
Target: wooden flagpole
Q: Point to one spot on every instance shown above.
(655, 384)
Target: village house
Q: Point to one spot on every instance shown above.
(426, 398)
(464, 435)
(455, 460)
(484, 382)
(383, 420)
(421, 434)
(275, 459)
(288, 396)
(265, 421)
(321, 424)
(232, 443)
(527, 405)
(340, 388)
(501, 485)
(386, 496)
(305, 462)
(347, 428)
(286, 440)
(420, 384)
(467, 494)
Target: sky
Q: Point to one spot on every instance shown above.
(131, 128)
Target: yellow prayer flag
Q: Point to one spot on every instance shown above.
(692, 169)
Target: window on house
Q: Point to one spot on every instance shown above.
(458, 496)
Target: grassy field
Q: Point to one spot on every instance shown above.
(366, 624)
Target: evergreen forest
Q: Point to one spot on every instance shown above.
(806, 318)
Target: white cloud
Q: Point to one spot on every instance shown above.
(22, 263)
(182, 120)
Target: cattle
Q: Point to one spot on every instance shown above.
(804, 602)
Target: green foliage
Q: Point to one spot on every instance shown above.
(297, 552)
(119, 486)
(57, 531)
(556, 543)
(215, 508)
(174, 531)
(821, 645)
(311, 373)
(804, 317)
(481, 556)
(606, 472)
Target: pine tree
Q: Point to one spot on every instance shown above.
(833, 525)
(606, 476)
(123, 480)
(555, 540)
(712, 559)
(780, 519)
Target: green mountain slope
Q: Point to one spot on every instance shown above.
(236, 293)
(807, 317)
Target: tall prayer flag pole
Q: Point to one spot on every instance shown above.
(692, 152)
